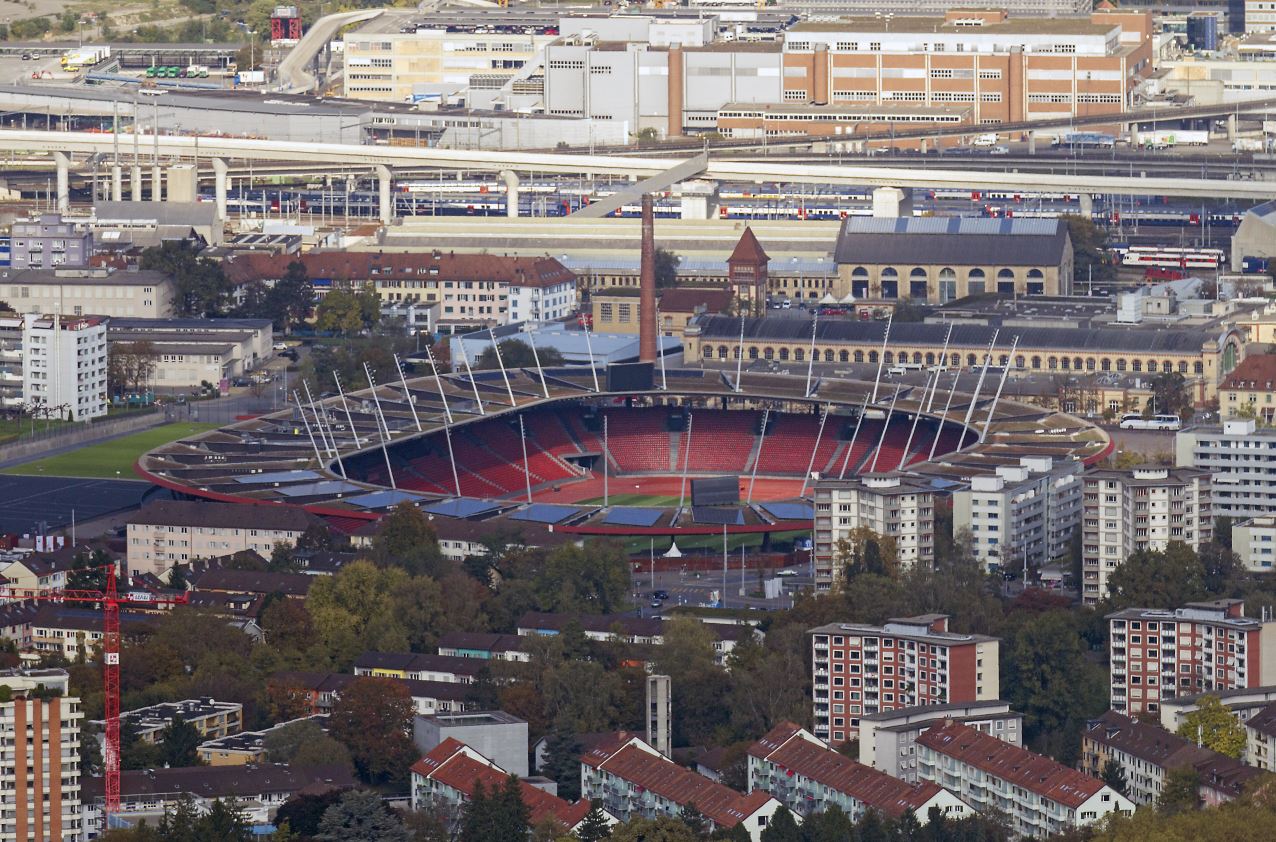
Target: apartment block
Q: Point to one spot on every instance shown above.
(1243, 703)
(808, 777)
(861, 670)
(40, 774)
(1260, 739)
(1038, 796)
(1022, 514)
(48, 242)
(1158, 655)
(895, 506)
(211, 718)
(142, 294)
(888, 740)
(634, 780)
(1142, 509)
(64, 365)
(171, 532)
(1146, 754)
(418, 666)
(1254, 540)
(1260, 16)
(1241, 459)
(248, 747)
(493, 733)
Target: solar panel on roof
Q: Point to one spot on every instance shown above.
(717, 515)
(545, 513)
(788, 511)
(278, 476)
(382, 499)
(461, 507)
(633, 516)
(318, 489)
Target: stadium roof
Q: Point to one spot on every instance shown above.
(953, 240)
(1171, 340)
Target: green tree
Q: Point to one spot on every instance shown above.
(515, 353)
(663, 829)
(303, 744)
(590, 579)
(406, 538)
(222, 823)
(360, 816)
(88, 570)
(512, 815)
(1223, 531)
(1114, 776)
(478, 820)
(829, 825)
(202, 286)
(594, 827)
(562, 761)
(1158, 578)
(666, 268)
(699, 685)
(180, 741)
(348, 312)
(1090, 261)
(1172, 395)
(691, 816)
(304, 811)
(1181, 791)
(373, 718)
(782, 828)
(179, 824)
(290, 301)
(1215, 727)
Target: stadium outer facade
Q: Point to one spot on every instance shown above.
(336, 462)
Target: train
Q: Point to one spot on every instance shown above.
(1170, 257)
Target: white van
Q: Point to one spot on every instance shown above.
(985, 140)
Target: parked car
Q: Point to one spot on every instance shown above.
(281, 346)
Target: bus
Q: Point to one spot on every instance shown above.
(1134, 421)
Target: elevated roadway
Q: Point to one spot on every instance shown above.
(294, 71)
(384, 159)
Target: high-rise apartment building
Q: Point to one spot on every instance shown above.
(1025, 513)
(898, 507)
(64, 365)
(1201, 647)
(39, 758)
(909, 661)
(1241, 460)
(1141, 509)
(1260, 16)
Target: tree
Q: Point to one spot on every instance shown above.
(304, 811)
(691, 816)
(1171, 394)
(1181, 792)
(180, 741)
(406, 538)
(373, 718)
(178, 824)
(590, 579)
(1215, 727)
(202, 286)
(699, 684)
(1158, 578)
(1114, 776)
(663, 829)
(515, 353)
(360, 816)
(222, 823)
(594, 827)
(348, 312)
(1090, 261)
(130, 366)
(829, 825)
(304, 744)
(782, 828)
(289, 302)
(88, 571)
(562, 761)
(666, 268)
(513, 816)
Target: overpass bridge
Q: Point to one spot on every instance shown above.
(383, 160)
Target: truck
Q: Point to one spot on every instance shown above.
(1085, 140)
(1174, 137)
(985, 140)
(76, 60)
(1249, 144)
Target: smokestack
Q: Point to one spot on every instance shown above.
(647, 285)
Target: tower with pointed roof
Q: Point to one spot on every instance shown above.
(747, 271)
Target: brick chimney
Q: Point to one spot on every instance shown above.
(647, 285)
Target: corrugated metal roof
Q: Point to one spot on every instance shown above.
(921, 240)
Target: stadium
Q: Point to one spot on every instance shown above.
(621, 450)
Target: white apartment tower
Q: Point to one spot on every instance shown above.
(64, 365)
(1142, 509)
(891, 505)
(1241, 461)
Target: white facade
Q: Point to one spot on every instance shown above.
(1260, 16)
(918, 37)
(1254, 540)
(1241, 461)
(1142, 509)
(1025, 512)
(888, 740)
(64, 366)
(893, 506)
(539, 303)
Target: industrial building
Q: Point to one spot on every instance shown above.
(132, 293)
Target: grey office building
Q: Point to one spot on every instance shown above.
(49, 242)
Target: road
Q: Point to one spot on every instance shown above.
(294, 71)
(695, 587)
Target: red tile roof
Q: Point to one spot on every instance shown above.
(748, 250)
(1257, 372)
(448, 764)
(786, 747)
(415, 265)
(1019, 766)
(719, 803)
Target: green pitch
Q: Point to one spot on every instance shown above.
(109, 459)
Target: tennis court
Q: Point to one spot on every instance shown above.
(29, 501)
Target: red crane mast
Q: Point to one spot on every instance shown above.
(110, 599)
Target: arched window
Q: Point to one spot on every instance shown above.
(1006, 275)
(976, 282)
(707, 351)
(972, 360)
(917, 357)
(888, 358)
(1089, 363)
(859, 282)
(872, 356)
(859, 272)
(1065, 363)
(889, 272)
(1198, 368)
(954, 360)
(947, 285)
(859, 357)
(917, 284)
(1004, 360)
(1136, 365)
(735, 352)
(844, 356)
(753, 352)
(1036, 363)
(1120, 364)
(1052, 363)
(784, 353)
(890, 283)
(799, 354)
(1006, 282)
(828, 355)
(1167, 366)
(1035, 275)
(722, 352)
(1182, 366)
(1105, 364)
(1019, 361)
(1152, 366)
(768, 352)
(930, 358)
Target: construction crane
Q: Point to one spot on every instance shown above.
(111, 600)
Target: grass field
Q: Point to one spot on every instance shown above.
(110, 459)
(660, 500)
